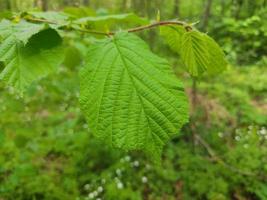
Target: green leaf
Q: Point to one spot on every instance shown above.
(59, 18)
(50, 15)
(130, 97)
(108, 20)
(27, 53)
(173, 36)
(20, 32)
(6, 14)
(198, 51)
(194, 53)
(217, 61)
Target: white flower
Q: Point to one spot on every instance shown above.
(95, 193)
(100, 189)
(85, 126)
(117, 179)
(237, 138)
(148, 167)
(136, 163)
(263, 131)
(87, 186)
(119, 185)
(91, 195)
(118, 172)
(103, 181)
(127, 158)
(144, 179)
(220, 134)
(98, 199)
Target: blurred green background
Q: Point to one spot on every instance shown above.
(47, 151)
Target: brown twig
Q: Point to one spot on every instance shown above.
(160, 23)
(131, 30)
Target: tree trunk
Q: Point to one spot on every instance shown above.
(86, 2)
(223, 7)
(7, 5)
(176, 10)
(44, 5)
(206, 15)
(35, 3)
(123, 5)
(236, 8)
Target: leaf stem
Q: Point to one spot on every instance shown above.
(160, 23)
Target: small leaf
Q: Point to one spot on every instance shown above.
(130, 97)
(217, 61)
(194, 53)
(173, 36)
(198, 51)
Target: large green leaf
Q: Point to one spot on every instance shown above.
(198, 51)
(27, 53)
(130, 96)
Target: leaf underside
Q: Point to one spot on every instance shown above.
(130, 96)
(27, 53)
(108, 19)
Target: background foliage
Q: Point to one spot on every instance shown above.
(47, 151)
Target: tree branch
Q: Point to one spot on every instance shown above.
(131, 30)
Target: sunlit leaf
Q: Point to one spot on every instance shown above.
(130, 96)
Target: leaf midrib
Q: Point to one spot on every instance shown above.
(131, 78)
